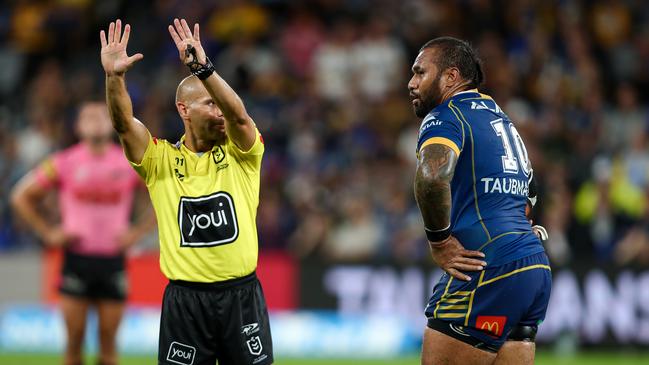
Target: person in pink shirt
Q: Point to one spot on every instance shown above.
(96, 187)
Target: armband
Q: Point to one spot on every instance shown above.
(438, 236)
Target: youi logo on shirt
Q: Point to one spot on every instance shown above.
(207, 221)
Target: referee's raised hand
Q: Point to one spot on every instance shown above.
(113, 49)
(183, 38)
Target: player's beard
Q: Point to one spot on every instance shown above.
(429, 100)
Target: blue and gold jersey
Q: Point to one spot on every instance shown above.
(491, 181)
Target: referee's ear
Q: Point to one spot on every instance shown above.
(182, 110)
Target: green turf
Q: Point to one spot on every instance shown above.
(543, 358)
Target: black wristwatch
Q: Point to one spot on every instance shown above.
(198, 70)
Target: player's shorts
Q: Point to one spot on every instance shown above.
(205, 322)
(483, 311)
(94, 277)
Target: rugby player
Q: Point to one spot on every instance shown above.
(472, 186)
(95, 187)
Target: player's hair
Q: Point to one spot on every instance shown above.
(455, 52)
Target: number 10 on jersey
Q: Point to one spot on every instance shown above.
(510, 162)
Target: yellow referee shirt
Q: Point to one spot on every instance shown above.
(206, 205)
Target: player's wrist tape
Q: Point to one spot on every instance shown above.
(197, 69)
(438, 236)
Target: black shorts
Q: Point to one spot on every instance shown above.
(205, 322)
(94, 277)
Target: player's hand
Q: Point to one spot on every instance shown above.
(113, 50)
(57, 237)
(453, 258)
(182, 36)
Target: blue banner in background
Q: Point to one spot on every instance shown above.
(40, 328)
(37, 328)
(32, 328)
(375, 314)
(328, 334)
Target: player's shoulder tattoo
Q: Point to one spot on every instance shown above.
(439, 159)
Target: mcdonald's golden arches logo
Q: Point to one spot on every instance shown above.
(492, 324)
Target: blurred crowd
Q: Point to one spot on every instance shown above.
(325, 81)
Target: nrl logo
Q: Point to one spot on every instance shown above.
(254, 345)
(249, 329)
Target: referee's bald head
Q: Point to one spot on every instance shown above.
(188, 88)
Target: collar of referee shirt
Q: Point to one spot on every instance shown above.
(180, 143)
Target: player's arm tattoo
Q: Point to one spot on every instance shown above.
(435, 170)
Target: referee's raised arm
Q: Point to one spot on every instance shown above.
(133, 135)
(238, 125)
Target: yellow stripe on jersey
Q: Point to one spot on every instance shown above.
(462, 119)
(206, 207)
(454, 306)
(446, 303)
(468, 312)
(454, 300)
(500, 236)
(441, 140)
(531, 267)
(448, 285)
(459, 293)
(450, 315)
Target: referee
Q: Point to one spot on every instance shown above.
(205, 192)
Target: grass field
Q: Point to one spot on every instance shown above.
(543, 358)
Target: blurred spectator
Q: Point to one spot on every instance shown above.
(358, 235)
(37, 140)
(325, 81)
(624, 121)
(239, 20)
(379, 60)
(334, 62)
(299, 39)
(29, 26)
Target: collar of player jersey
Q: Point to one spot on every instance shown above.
(471, 91)
(181, 144)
